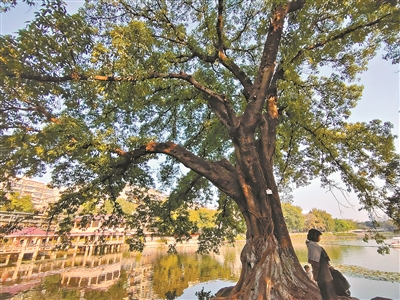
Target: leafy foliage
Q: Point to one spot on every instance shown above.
(17, 202)
(392, 204)
(344, 225)
(320, 220)
(294, 217)
(179, 270)
(202, 295)
(203, 217)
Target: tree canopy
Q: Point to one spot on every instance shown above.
(80, 93)
(320, 219)
(294, 217)
(251, 97)
(344, 225)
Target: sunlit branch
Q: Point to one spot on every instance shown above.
(210, 170)
(228, 63)
(266, 68)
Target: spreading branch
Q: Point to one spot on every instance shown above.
(226, 62)
(217, 101)
(211, 170)
(266, 68)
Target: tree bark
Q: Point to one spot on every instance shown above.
(270, 267)
(269, 271)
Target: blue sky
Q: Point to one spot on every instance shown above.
(380, 101)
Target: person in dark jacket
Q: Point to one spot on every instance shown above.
(340, 283)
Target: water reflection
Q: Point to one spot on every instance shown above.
(174, 273)
(337, 254)
(154, 274)
(359, 253)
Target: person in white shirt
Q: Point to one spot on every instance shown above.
(308, 272)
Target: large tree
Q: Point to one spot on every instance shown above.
(252, 97)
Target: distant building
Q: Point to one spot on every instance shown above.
(41, 194)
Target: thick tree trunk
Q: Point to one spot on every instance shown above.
(270, 271)
(270, 267)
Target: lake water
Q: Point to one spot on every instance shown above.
(155, 275)
(359, 261)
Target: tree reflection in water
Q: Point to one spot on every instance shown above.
(176, 272)
(154, 274)
(50, 289)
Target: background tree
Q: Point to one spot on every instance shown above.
(89, 207)
(344, 225)
(203, 217)
(323, 220)
(388, 225)
(232, 90)
(311, 221)
(294, 218)
(17, 202)
(107, 207)
(126, 206)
